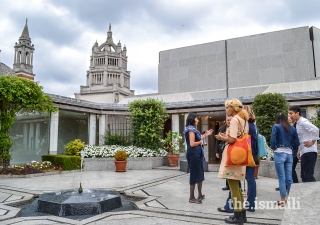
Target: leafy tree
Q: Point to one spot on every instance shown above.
(18, 95)
(315, 119)
(265, 107)
(147, 122)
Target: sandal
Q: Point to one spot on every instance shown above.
(200, 198)
(197, 201)
(222, 209)
(281, 203)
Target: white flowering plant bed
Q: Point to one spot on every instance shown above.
(28, 168)
(108, 151)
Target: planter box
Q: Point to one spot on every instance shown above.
(267, 169)
(139, 163)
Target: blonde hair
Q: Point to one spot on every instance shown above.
(237, 106)
(252, 117)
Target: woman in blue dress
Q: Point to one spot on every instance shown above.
(195, 155)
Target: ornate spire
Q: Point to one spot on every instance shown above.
(25, 32)
(109, 38)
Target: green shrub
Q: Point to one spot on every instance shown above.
(315, 119)
(74, 147)
(116, 139)
(265, 107)
(66, 162)
(147, 122)
(121, 155)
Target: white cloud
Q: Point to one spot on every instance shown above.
(63, 32)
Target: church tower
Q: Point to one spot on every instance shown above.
(23, 55)
(108, 80)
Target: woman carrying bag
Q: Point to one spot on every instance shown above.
(235, 173)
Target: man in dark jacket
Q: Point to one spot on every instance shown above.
(221, 144)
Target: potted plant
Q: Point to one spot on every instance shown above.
(172, 144)
(120, 160)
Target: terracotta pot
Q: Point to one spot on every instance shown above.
(173, 159)
(256, 170)
(120, 166)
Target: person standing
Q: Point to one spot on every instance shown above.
(234, 174)
(195, 156)
(294, 155)
(308, 135)
(252, 186)
(284, 139)
(220, 144)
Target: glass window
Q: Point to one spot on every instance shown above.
(30, 136)
(72, 125)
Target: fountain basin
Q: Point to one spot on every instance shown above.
(71, 203)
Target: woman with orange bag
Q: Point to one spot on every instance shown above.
(234, 174)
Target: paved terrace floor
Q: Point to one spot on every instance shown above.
(166, 201)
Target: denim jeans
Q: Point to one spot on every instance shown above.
(252, 188)
(283, 163)
(229, 206)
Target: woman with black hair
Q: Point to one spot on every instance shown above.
(284, 139)
(195, 156)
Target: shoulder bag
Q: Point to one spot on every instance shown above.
(240, 153)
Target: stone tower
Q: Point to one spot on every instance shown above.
(23, 55)
(108, 80)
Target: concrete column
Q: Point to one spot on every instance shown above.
(90, 79)
(205, 126)
(92, 129)
(175, 123)
(31, 137)
(15, 56)
(102, 128)
(25, 135)
(37, 136)
(121, 80)
(105, 78)
(54, 125)
(185, 119)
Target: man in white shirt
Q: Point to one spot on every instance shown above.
(308, 136)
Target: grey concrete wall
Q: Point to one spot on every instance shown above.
(194, 68)
(269, 58)
(316, 48)
(267, 169)
(254, 62)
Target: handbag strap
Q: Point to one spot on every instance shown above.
(242, 128)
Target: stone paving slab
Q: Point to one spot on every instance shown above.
(175, 195)
(10, 212)
(4, 196)
(305, 209)
(163, 193)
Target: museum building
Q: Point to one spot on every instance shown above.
(196, 78)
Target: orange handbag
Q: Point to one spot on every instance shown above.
(240, 153)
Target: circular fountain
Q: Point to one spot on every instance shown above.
(78, 202)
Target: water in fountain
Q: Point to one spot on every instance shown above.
(78, 202)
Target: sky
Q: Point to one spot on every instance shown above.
(64, 31)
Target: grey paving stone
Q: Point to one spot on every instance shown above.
(4, 196)
(155, 203)
(14, 198)
(3, 212)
